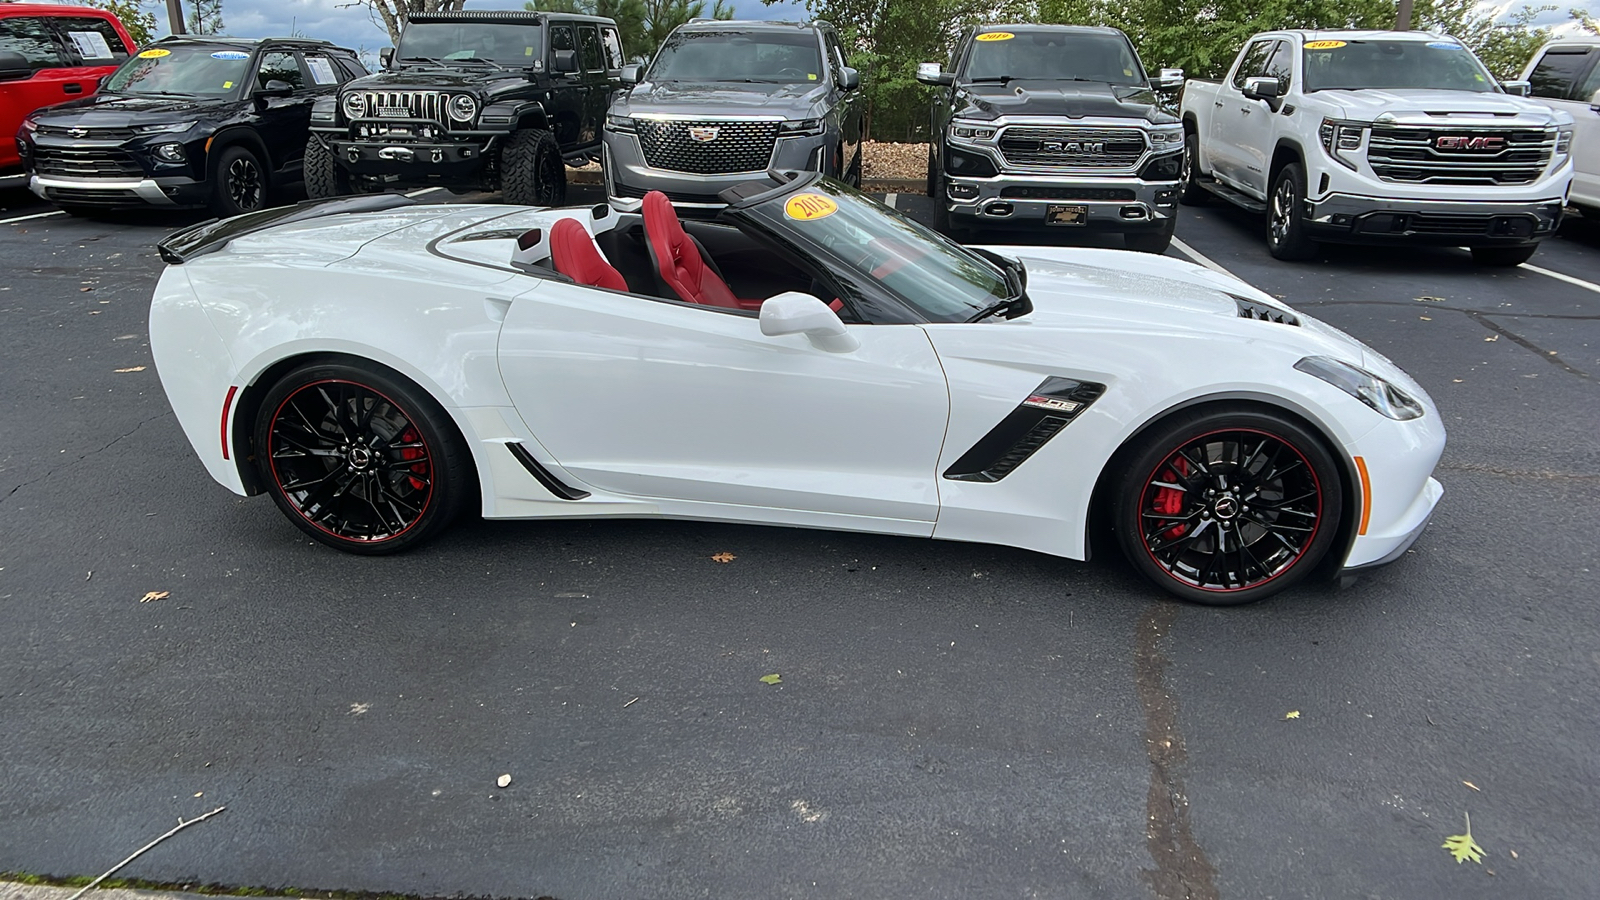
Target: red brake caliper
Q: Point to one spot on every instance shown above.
(1169, 501)
(410, 436)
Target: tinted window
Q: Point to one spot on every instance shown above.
(1254, 62)
(351, 66)
(1281, 65)
(614, 59)
(279, 65)
(1052, 56)
(594, 59)
(32, 38)
(1383, 65)
(831, 41)
(1590, 85)
(506, 44)
(561, 38)
(1556, 72)
(94, 41)
(781, 57)
(202, 71)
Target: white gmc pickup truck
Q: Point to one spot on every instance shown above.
(1375, 137)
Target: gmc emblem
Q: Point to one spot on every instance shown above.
(1075, 146)
(1461, 142)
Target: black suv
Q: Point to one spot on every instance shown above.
(472, 101)
(189, 121)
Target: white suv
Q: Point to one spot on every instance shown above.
(1565, 75)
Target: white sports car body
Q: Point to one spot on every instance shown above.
(377, 365)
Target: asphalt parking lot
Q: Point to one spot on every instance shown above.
(946, 725)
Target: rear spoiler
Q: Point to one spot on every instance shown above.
(214, 234)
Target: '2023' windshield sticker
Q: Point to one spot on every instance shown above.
(154, 53)
(230, 54)
(809, 207)
(1324, 45)
(996, 36)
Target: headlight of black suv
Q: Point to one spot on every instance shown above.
(354, 104)
(463, 108)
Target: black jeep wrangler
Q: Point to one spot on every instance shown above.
(471, 101)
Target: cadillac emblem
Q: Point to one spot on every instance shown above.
(704, 134)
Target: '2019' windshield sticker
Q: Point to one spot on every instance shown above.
(230, 54)
(1324, 45)
(996, 36)
(154, 53)
(809, 207)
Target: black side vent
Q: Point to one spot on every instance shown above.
(542, 475)
(1249, 309)
(1041, 415)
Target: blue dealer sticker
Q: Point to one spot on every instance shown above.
(230, 54)
(1444, 45)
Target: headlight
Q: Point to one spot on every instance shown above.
(29, 126)
(463, 108)
(971, 131)
(355, 105)
(1364, 386)
(802, 127)
(170, 152)
(1564, 141)
(1163, 140)
(1337, 136)
(620, 124)
(169, 128)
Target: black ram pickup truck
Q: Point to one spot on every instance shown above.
(1054, 126)
(490, 101)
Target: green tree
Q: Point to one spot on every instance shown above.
(642, 24)
(141, 24)
(205, 17)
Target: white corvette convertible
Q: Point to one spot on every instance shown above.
(812, 358)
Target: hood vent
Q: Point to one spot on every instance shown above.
(1250, 309)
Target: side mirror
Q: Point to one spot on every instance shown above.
(275, 88)
(929, 73)
(1262, 87)
(796, 313)
(1170, 79)
(1594, 102)
(564, 61)
(1517, 88)
(14, 65)
(630, 74)
(849, 79)
(386, 57)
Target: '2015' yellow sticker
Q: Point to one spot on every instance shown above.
(996, 36)
(1324, 45)
(154, 53)
(806, 207)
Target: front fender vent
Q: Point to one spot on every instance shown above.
(1250, 309)
(1041, 415)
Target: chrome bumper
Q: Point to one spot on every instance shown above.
(145, 189)
(1115, 203)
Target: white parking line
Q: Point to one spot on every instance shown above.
(1586, 285)
(888, 200)
(419, 193)
(1200, 258)
(53, 212)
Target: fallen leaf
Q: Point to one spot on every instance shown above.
(1427, 299)
(1471, 785)
(630, 703)
(1456, 380)
(199, 793)
(1491, 338)
(1463, 847)
(129, 369)
(723, 557)
(1514, 855)
(503, 781)
(155, 595)
(1426, 318)
(84, 291)
(774, 678)
(1292, 714)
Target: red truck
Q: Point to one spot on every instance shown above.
(49, 54)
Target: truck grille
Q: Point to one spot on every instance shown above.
(1411, 155)
(1072, 147)
(709, 147)
(85, 163)
(88, 134)
(427, 105)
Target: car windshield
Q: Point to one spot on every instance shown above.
(1444, 65)
(1053, 56)
(781, 57)
(497, 42)
(184, 70)
(941, 279)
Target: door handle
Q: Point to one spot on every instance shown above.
(1217, 104)
(72, 88)
(1245, 110)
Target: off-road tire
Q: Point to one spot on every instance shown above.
(1156, 241)
(1503, 256)
(531, 170)
(323, 175)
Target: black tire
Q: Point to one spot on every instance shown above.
(1196, 476)
(1190, 193)
(854, 172)
(1286, 227)
(933, 184)
(1504, 256)
(360, 459)
(323, 174)
(239, 182)
(531, 170)
(1156, 241)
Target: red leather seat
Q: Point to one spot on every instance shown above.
(678, 259)
(574, 255)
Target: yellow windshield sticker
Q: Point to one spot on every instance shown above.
(996, 36)
(811, 76)
(1324, 45)
(227, 84)
(155, 53)
(1128, 72)
(527, 51)
(806, 207)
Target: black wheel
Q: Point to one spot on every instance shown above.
(531, 170)
(238, 182)
(360, 459)
(1156, 241)
(1190, 193)
(853, 174)
(323, 174)
(1503, 256)
(933, 183)
(1286, 228)
(1224, 507)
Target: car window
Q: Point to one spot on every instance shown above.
(834, 50)
(726, 54)
(1254, 62)
(1555, 74)
(594, 59)
(95, 42)
(1591, 83)
(351, 67)
(613, 44)
(31, 36)
(1281, 65)
(561, 39)
(1384, 64)
(198, 70)
(279, 65)
(322, 70)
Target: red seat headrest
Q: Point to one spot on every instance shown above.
(574, 255)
